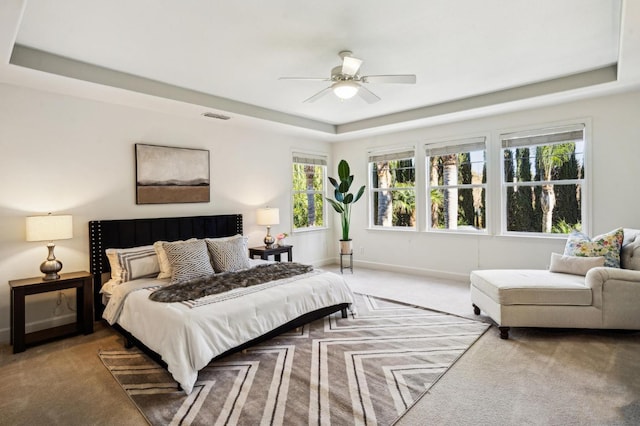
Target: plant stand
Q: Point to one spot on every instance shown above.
(349, 265)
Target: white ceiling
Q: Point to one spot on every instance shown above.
(229, 55)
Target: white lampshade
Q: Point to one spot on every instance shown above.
(268, 216)
(49, 228)
(345, 89)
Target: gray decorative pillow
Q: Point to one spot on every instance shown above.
(188, 259)
(575, 265)
(165, 266)
(229, 254)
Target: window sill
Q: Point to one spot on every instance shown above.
(306, 230)
(535, 236)
(392, 228)
(457, 232)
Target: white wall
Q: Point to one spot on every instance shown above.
(66, 155)
(75, 156)
(615, 191)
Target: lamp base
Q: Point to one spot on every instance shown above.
(51, 266)
(268, 241)
(50, 269)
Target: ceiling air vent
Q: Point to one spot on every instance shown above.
(214, 115)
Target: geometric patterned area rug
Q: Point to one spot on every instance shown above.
(366, 369)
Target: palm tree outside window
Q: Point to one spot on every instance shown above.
(543, 180)
(308, 186)
(392, 177)
(456, 185)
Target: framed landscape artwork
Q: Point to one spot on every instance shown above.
(171, 175)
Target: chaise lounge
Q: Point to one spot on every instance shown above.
(600, 297)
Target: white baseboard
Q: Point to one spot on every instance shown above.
(40, 325)
(453, 276)
(324, 262)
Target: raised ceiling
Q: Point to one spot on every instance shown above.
(228, 56)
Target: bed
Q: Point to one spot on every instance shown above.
(186, 335)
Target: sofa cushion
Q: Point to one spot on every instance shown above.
(630, 253)
(575, 265)
(532, 287)
(607, 245)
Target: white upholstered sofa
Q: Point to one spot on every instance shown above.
(605, 297)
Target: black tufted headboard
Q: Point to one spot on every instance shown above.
(126, 233)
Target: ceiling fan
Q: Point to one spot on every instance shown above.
(346, 82)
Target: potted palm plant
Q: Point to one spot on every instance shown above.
(343, 201)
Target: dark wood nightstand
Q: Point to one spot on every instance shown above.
(81, 281)
(276, 251)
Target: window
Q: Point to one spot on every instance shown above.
(543, 180)
(309, 173)
(392, 188)
(456, 185)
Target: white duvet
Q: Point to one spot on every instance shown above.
(188, 338)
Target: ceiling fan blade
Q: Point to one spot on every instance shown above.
(305, 78)
(350, 65)
(368, 95)
(397, 78)
(318, 95)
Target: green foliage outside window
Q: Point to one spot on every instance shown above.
(457, 194)
(548, 198)
(308, 196)
(393, 193)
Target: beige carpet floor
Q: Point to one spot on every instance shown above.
(539, 376)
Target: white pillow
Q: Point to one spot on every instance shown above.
(188, 259)
(165, 266)
(229, 254)
(576, 265)
(132, 263)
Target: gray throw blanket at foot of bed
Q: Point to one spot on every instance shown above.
(219, 283)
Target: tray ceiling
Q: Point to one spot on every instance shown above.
(228, 56)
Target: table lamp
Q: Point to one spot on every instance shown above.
(50, 228)
(268, 216)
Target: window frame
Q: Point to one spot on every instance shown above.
(539, 131)
(392, 153)
(457, 146)
(314, 159)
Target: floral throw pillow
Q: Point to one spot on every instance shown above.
(607, 245)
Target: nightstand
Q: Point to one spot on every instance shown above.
(81, 281)
(276, 251)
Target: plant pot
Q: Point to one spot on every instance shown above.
(346, 246)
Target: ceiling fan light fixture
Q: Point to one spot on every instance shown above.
(345, 89)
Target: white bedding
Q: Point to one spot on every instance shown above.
(188, 338)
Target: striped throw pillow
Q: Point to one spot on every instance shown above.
(132, 263)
